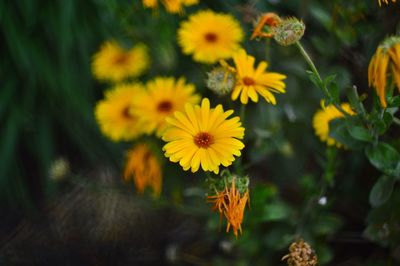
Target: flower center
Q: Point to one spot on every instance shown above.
(121, 59)
(126, 113)
(164, 107)
(248, 81)
(203, 140)
(211, 37)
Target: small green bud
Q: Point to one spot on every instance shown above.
(221, 81)
(288, 31)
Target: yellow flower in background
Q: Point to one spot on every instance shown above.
(231, 203)
(114, 115)
(163, 97)
(114, 63)
(144, 168)
(172, 6)
(324, 116)
(252, 81)
(210, 36)
(385, 63)
(385, 1)
(203, 136)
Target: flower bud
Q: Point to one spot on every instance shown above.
(288, 31)
(221, 81)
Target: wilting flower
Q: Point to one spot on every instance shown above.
(114, 113)
(385, 1)
(144, 168)
(266, 20)
(231, 202)
(385, 62)
(301, 254)
(288, 31)
(210, 36)
(221, 81)
(172, 6)
(203, 136)
(324, 116)
(114, 63)
(163, 97)
(252, 81)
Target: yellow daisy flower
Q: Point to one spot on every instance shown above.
(172, 6)
(385, 1)
(114, 63)
(163, 97)
(143, 166)
(204, 137)
(252, 81)
(210, 36)
(324, 116)
(114, 114)
(150, 3)
(386, 58)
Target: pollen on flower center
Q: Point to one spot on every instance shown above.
(203, 140)
(121, 59)
(164, 107)
(211, 37)
(248, 81)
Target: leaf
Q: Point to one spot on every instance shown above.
(338, 130)
(358, 131)
(381, 191)
(385, 158)
(275, 211)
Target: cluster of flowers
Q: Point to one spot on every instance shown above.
(196, 134)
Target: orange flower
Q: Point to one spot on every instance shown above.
(269, 19)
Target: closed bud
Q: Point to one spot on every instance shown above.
(221, 81)
(288, 31)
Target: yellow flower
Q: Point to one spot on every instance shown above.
(114, 113)
(325, 115)
(163, 97)
(172, 6)
(252, 81)
(203, 136)
(386, 58)
(231, 203)
(210, 36)
(385, 1)
(143, 166)
(114, 63)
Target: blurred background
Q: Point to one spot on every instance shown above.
(84, 214)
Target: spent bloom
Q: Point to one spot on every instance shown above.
(163, 96)
(264, 24)
(385, 1)
(172, 6)
(114, 112)
(210, 36)
(385, 63)
(231, 201)
(115, 63)
(203, 136)
(221, 81)
(144, 168)
(324, 116)
(301, 254)
(251, 81)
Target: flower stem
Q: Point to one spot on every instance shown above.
(320, 82)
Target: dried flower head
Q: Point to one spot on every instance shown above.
(301, 254)
(288, 31)
(59, 169)
(221, 81)
(385, 1)
(263, 25)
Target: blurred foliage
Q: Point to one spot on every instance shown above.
(343, 202)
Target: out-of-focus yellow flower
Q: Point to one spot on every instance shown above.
(324, 116)
(172, 6)
(114, 63)
(231, 203)
(385, 63)
(252, 81)
(385, 1)
(114, 114)
(210, 36)
(144, 168)
(163, 97)
(203, 136)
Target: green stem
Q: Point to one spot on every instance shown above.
(321, 84)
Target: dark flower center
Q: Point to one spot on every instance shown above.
(203, 140)
(164, 107)
(211, 37)
(248, 81)
(126, 113)
(121, 59)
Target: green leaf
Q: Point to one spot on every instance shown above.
(338, 130)
(381, 191)
(275, 211)
(385, 158)
(358, 131)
